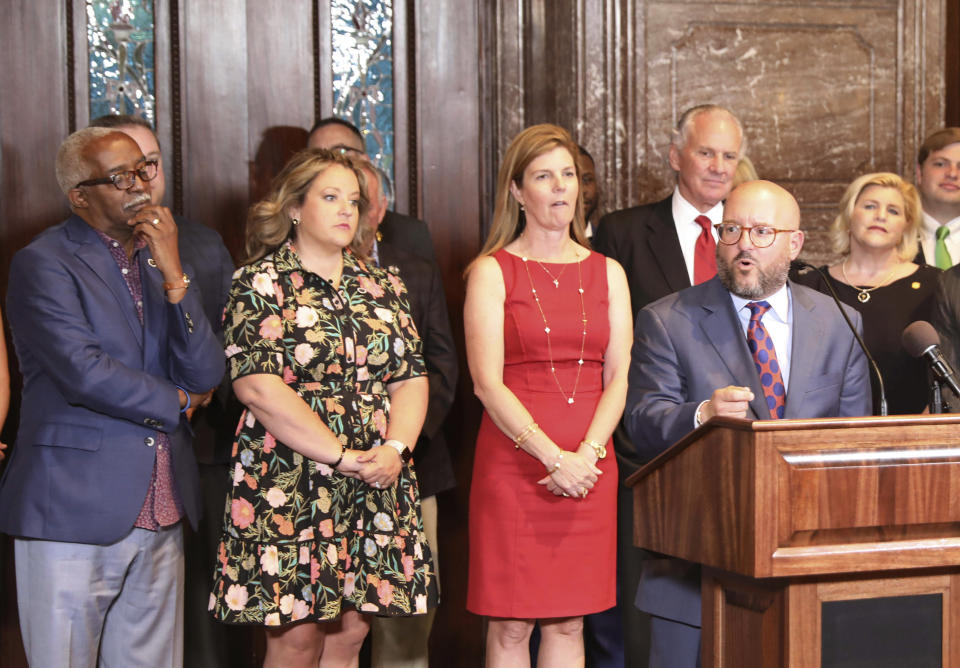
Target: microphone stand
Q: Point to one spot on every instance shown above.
(856, 334)
(936, 398)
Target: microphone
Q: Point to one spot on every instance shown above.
(863, 346)
(920, 339)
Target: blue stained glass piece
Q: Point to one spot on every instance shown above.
(120, 53)
(362, 41)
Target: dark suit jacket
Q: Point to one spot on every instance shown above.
(643, 239)
(690, 343)
(98, 386)
(428, 306)
(408, 233)
(202, 248)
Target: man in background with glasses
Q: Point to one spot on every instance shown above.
(115, 352)
(747, 344)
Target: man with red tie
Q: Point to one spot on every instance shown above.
(748, 344)
(664, 247)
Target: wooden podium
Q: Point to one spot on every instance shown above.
(804, 527)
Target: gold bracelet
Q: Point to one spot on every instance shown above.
(556, 464)
(525, 434)
(599, 449)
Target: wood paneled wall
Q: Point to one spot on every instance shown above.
(238, 82)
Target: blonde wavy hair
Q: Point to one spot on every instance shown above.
(840, 228)
(508, 223)
(269, 223)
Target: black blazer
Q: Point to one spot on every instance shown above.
(428, 306)
(407, 233)
(643, 239)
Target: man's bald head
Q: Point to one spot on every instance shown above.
(764, 200)
(754, 271)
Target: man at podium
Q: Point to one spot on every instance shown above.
(748, 344)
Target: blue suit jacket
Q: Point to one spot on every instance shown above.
(690, 343)
(97, 387)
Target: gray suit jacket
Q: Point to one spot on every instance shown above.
(690, 343)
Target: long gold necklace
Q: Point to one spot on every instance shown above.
(864, 295)
(546, 325)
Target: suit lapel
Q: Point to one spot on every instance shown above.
(723, 330)
(154, 301)
(96, 256)
(808, 344)
(665, 246)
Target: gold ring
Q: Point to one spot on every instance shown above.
(583, 493)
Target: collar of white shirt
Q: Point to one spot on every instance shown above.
(688, 230)
(779, 305)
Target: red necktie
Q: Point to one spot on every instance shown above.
(765, 359)
(704, 253)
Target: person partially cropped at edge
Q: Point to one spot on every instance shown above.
(116, 353)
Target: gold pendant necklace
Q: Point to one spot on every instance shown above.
(546, 326)
(555, 279)
(864, 295)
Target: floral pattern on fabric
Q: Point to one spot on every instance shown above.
(300, 540)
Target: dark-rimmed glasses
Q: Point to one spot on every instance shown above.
(760, 235)
(124, 180)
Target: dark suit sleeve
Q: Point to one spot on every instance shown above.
(46, 306)
(658, 413)
(946, 319)
(439, 354)
(604, 239)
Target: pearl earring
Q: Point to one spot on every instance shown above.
(296, 221)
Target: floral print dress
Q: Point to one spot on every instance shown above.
(302, 541)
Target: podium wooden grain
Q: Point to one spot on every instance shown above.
(785, 515)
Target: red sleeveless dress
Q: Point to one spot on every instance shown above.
(533, 554)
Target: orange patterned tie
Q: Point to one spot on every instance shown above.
(765, 359)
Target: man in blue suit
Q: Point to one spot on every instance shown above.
(745, 344)
(115, 352)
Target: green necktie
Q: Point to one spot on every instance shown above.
(941, 255)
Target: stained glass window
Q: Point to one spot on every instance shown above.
(362, 40)
(120, 38)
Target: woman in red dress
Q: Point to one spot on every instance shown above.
(548, 336)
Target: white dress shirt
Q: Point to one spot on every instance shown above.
(928, 239)
(688, 230)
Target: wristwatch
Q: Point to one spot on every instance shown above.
(401, 449)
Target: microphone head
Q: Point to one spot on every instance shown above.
(918, 337)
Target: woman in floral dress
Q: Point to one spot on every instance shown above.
(323, 520)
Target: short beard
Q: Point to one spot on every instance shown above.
(769, 280)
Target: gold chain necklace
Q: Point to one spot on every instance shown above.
(555, 279)
(546, 326)
(864, 295)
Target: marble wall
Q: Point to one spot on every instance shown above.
(826, 89)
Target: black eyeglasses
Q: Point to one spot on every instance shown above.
(760, 235)
(124, 180)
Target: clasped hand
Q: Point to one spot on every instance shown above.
(575, 475)
(378, 467)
